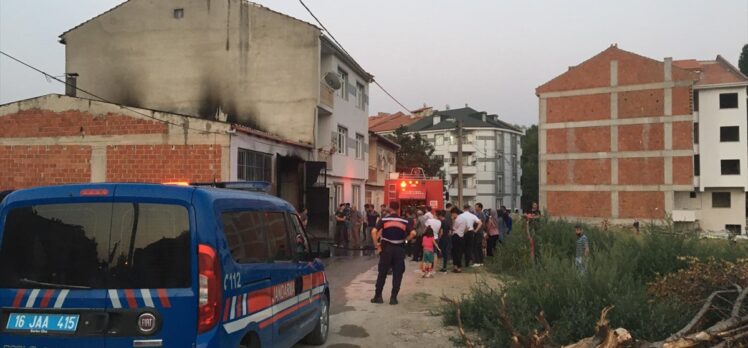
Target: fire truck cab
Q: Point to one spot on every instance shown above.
(414, 189)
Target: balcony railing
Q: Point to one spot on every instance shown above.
(466, 170)
(466, 191)
(326, 95)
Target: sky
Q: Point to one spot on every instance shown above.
(489, 54)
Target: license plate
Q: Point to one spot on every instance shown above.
(43, 323)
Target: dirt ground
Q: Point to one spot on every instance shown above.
(415, 322)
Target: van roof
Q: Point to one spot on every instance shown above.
(59, 193)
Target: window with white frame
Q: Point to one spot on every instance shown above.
(360, 96)
(381, 159)
(343, 91)
(439, 139)
(359, 146)
(356, 190)
(338, 195)
(342, 140)
(254, 166)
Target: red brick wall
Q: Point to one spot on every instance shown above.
(160, 163)
(644, 103)
(45, 123)
(578, 108)
(641, 137)
(633, 69)
(584, 139)
(581, 172)
(642, 205)
(579, 203)
(682, 101)
(683, 170)
(27, 166)
(641, 171)
(683, 135)
(36, 165)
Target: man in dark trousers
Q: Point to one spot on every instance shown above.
(389, 237)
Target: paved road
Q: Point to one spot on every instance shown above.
(415, 322)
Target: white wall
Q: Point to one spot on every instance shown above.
(346, 168)
(711, 118)
(486, 177)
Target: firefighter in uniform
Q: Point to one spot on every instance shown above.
(389, 237)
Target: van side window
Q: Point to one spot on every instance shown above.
(279, 237)
(245, 233)
(298, 237)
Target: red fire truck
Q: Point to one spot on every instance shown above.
(414, 189)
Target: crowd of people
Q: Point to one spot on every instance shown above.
(352, 226)
(465, 236)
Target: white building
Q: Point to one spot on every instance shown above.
(491, 154)
(343, 118)
(718, 202)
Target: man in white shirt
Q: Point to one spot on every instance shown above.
(436, 226)
(464, 222)
(429, 214)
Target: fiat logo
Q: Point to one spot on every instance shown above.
(146, 323)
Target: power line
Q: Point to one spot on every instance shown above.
(346, 52)
(51, 77)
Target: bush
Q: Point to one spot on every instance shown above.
(620, 267)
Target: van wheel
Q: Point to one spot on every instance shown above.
(318, 336)
(250, 341)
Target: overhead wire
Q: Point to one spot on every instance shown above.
(52, 77)
(406, 109)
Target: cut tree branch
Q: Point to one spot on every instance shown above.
(460, 327)
(697, 319)
(738, 303)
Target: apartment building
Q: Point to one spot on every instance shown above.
(624, 137)
(718, 201)
(491, 155)
(382, 162)
(615, 138)
(345, 123)
(243, 63)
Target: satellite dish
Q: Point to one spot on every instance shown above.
(333, 80)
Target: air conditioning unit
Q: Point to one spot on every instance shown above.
(333, 80)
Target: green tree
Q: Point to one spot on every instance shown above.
(416, 152)
(743, 62)
(529, 180)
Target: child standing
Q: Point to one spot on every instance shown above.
(427, 266)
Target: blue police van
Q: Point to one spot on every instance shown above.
(147, 265)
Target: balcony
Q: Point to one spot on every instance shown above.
(466, 192)
(467, 147)
(326, 99)
(466, 170)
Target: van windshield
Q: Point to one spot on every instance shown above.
(96, 245)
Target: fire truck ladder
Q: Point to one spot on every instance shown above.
(415, 173)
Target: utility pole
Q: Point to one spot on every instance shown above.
(459, 164)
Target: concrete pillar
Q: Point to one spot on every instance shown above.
(542, 163)
(668, 134)
(98, 163)
(614, 141)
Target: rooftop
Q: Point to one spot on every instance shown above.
(389, 122)
(713, 72)
(62, 36)
(469, 117)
